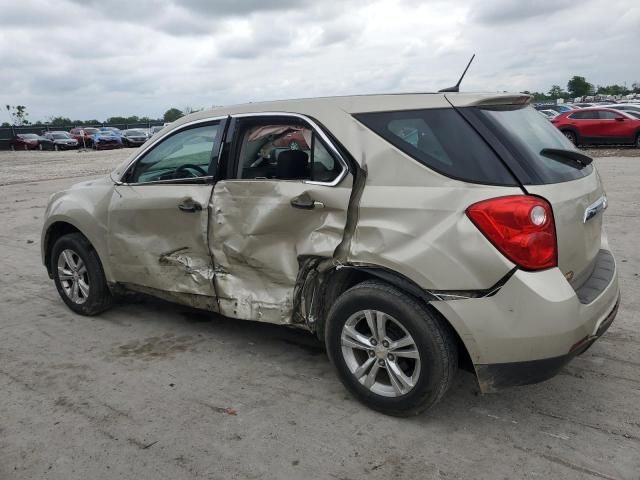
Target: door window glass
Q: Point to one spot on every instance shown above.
(284, 151)
(184, 155)
(605, 115)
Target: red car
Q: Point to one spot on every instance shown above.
(599, 126)
(293, 140)
(83, 135)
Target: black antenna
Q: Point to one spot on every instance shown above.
(456, 87)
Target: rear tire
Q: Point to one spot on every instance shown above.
(570, 136)
(78, 275)
(638, 140)
(414, 356)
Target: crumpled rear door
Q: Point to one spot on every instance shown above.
(258, 241)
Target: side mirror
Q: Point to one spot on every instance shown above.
(619, 119)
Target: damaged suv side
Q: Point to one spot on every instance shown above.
(411, 233)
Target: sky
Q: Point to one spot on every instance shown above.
(88, 59)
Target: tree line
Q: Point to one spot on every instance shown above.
(20, 117)
(578, 86)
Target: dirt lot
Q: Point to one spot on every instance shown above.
(151, 390)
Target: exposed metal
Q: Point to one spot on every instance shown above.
(380, 353)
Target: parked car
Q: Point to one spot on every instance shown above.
(584, 104)
(556, 108)
(155, 129)
(84, 135)
(61, 140)
(114, 130)
(134, 137)
(487, 253)
(625, 107)
(293, 139)
(549, 113)
(599, 126)
(30, 141)
(106, 140)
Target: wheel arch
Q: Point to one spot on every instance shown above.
(572, 129)
(340, 279)
(54, 231)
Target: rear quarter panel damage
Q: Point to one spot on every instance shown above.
(412, 220)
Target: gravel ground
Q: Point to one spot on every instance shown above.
(612, 152)
(151, 390)
(20, 167)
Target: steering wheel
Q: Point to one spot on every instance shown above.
(187, 166)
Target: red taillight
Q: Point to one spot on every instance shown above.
(521, 227)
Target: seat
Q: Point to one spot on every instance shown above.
(292, 165)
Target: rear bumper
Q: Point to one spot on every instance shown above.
(533, 325)
(492, 377)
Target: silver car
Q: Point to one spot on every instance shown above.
(413, 234)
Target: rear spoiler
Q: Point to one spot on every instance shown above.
(484, 100)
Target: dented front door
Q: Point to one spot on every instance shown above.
(158, 237)
(159, 215)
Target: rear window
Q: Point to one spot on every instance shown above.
(525, 133)
(443, 141)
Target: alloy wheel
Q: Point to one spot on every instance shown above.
(380, 353)
(73, 276)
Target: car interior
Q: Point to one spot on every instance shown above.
(285, 152)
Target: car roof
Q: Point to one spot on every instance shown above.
(363, 103)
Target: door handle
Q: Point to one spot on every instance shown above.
(190, 205)
(305, 202)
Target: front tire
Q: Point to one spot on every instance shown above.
(78, 275)
(390, 351)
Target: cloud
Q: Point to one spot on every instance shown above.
(496, 12)
(96, 59)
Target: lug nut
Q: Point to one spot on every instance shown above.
(381, 363)
(371, 353)
(374, 342)
(385, 344)
(391, 357)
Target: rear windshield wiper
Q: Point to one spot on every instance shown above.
(568, 157)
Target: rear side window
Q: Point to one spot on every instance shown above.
(443, 141)
(588, 115)
(526, 134)
(606, 115)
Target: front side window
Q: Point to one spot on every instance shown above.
(186, 154)
(284, 151)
